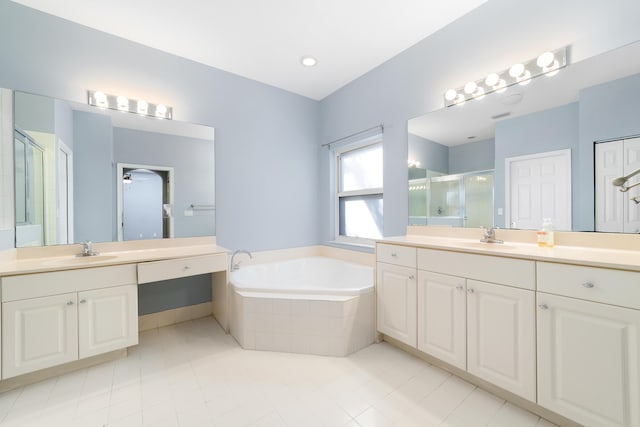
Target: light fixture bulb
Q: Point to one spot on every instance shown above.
(525, 78)
(545, 59)
(143, 107)
(492, 79)
(516, 70)
(501, 86)
(460, 99)
(553, 70)
(161, 111)
(450, 95)
(470, 87)
(101, 99)
(309, 61)
(123, 103)
(479, 93)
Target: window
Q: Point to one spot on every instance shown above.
(359, 191)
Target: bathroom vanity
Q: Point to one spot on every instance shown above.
(58, 309)
(557, 328)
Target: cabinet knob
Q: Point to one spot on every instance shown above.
(393, 254)
(459, 287)
(412, 277)
(186, 267)
(70, 302)
(82, 301)
(588, 285)
(471, 290)
(543, 306)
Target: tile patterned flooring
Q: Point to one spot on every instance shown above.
(193, 375)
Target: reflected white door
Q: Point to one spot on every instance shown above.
(631, 164)
(538, 186)
(609, 211)
(64, 184)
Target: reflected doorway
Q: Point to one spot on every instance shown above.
(145, 200)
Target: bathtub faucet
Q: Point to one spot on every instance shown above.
(235, 266)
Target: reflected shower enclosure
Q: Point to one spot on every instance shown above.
(462, 200)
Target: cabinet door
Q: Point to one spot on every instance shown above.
(38, 333)
(107, 319)
(588, 361)
(396, 293)
(442, 318)
(502, 336)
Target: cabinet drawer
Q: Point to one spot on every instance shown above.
(506, 271)
(181, 267)
(590, 283)
(395, 254)
(60, 282)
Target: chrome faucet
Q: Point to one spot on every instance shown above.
(87, 249)
(235, 266)
(490, 236)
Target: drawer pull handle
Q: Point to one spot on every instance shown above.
(588, 285)
(459, 287)
(186, 267)
(471, 290)
(412, 277)
(543, 306)
(69, 302)
(393, 254)
(83, 301)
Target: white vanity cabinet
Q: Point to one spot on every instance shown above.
(58, 317)
(589, 344)
(485, 328)
(396, 292)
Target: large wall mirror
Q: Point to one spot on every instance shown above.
(88, 174)
(514, 158)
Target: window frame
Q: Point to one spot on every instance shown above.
(336, 153)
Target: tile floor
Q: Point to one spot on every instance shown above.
(193, 375)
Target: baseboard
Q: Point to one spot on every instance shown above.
(173, 316)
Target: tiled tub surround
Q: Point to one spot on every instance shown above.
(312, 305)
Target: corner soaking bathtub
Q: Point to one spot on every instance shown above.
(312, 305)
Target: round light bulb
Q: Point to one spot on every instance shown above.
(161, 110)
(553, 70)
(470, 87)
(143, 107)
(309, 61)
(123, 103)
(501, 86)
(525, 78)
(545, 59)
(450, 95)
(479, 93)
(516, 70)
(492, 79)
(100, 97)
(460, 99)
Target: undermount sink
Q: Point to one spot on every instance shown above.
(79, 259)
(484, 245)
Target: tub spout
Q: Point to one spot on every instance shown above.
(234, 265)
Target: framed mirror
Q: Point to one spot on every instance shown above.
(538, 139)
(87, 174)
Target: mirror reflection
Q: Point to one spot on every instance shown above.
(539, 139)
(87, 174)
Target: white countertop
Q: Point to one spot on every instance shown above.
(588, 256)
(114, 257)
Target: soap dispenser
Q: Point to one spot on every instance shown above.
(545, 234)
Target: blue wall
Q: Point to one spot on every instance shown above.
(266, 139)
(431, 155)
(497, 34)
(471, 157)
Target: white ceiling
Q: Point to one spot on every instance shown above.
(265, 40)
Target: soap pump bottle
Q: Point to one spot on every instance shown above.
(545, 234)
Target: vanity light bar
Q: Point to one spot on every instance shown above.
(127, 105)
(547, 63)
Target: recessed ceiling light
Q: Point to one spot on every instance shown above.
(308, 61)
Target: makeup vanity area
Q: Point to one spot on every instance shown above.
(67, 169)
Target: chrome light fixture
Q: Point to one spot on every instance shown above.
(547, 63)
(128, 105)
